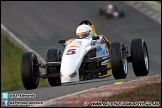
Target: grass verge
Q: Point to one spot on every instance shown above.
(148, 93)
(10, 67)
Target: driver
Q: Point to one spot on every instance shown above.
(83, 31)
(112, 10)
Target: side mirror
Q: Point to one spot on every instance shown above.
(95, 37)
(61, 41)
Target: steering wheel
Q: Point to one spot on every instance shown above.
(86, 22)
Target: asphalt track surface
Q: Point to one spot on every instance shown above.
(40, 25)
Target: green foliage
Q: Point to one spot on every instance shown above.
(10, 67)
(146, 93)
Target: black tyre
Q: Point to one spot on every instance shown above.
(85, 21)
(29, 70)
(118, 60)
(53, 56)
(140, 57)
(122, 14)
(108, 16)
(101, 12)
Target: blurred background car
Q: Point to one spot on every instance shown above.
(111, 11)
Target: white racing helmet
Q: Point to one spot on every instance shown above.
(110, 6)
(83, 31)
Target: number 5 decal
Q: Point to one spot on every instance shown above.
(70, 52)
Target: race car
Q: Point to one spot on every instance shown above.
(85, 58)
(111, 11)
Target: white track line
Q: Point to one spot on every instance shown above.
(137, 5)
(51, 101)
(20, 42)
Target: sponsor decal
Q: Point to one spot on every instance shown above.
(102, 50)
(106, 49)
(73, 74)
(73, 46)
(77, 42)
(98, 51)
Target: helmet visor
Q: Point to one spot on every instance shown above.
(82, 34)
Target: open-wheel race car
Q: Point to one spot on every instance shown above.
(111, 11)
(85, 57)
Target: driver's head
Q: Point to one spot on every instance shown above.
(110, 6)
(83, 31)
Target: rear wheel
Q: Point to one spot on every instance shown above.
(53, 56)
(122, 14)
(140, 57)
(29, 70)
(100, 11)
(118, 60)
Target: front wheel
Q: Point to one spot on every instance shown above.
(118, 60)
(29, 70)
(140, 57)
(108, 16)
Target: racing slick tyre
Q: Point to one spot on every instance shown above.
(118, 60)
(53, 56)
(100, 12)
(85, 21)
(29, 70)
(121, 14)
(108, 16)
(140, 57)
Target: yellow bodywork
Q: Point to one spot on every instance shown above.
(93, 30)
(107, 64)
(109, 73)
